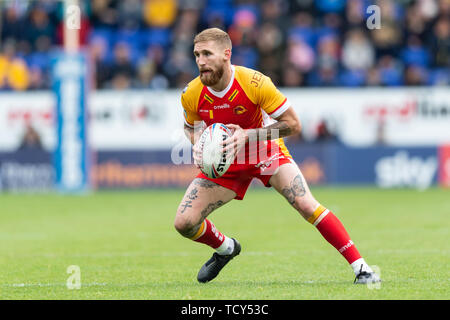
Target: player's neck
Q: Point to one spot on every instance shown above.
(225, 80)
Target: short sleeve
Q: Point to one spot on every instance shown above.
(190, 115)
(271, 100)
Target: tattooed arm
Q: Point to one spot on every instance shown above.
(287, 124)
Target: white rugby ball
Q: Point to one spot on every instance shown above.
(214, 161)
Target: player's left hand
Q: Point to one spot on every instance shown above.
(235, 143)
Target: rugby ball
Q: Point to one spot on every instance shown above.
(214, 161)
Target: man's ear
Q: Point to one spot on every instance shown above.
(227, 54)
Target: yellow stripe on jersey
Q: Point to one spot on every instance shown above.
(208, 98)
(233, 95)
(210, 114)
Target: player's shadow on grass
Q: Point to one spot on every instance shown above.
(256, 283)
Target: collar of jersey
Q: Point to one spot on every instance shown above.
(221, 94)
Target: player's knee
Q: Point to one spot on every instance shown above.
(185, 226)
(181, 224)
(305, 208)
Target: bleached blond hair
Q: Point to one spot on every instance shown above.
(214, 34)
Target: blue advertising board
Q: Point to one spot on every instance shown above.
(329, 163)
(139, 169)
(26, 170)
(316, 161)
(388, 167)
(71, 155)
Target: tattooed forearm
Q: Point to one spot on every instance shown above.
(205, 183)
(277, 130)
(296, 189)
(282, 127)
(211, 207)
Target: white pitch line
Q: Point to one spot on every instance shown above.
(144, 254)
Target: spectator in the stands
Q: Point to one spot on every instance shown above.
(440, 42)
(103, 14)
(292, 77)
(300, 55)
(323, 132)
(159, 13)
(31, 139)
(243, 33)
(415, 76)
(357, 51)
(129, 14)
(14, 74)
(390, 71)
(37, 79)
(354, 14)
(123, 71)
(271, 50)
(39, 29)
(98, 51)
(326, 73)
(12, 24)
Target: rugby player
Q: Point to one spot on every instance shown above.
(251, 106)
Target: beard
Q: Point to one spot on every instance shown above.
(213, 77)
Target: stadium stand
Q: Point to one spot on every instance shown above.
(148, 43)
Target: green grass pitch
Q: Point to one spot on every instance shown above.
(127, 248)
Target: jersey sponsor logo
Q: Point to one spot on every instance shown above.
(223, 106)
(239, 110)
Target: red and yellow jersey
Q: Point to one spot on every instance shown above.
(250, 100)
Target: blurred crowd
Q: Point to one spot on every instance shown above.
(298, 43)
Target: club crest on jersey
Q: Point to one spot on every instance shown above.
(239, 110)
